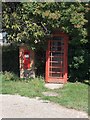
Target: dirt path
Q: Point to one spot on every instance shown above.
(15, 106)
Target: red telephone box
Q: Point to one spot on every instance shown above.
(56, 58)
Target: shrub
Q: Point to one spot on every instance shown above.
(1, 75)
(9, 76)
(10, 59)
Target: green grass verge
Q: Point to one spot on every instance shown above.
(72, 95)
(30, 88)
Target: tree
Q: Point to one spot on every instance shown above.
(32, 22)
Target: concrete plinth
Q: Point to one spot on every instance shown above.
(53, 85)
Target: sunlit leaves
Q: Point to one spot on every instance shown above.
(25, 17)
(78, 19)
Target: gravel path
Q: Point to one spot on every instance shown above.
(15, 106)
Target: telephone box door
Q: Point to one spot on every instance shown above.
(56, 59)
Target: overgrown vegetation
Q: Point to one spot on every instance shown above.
(72, 95)
(8, 76)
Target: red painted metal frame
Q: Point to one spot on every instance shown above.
(65, 73)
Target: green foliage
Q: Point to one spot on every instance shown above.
(23, 21)
(1, 75)
(10, 59)
(31, 22)
(79, 68)
(8, 76)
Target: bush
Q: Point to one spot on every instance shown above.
(78, 60)
(9, 76)
(10, 59)
(1, 75)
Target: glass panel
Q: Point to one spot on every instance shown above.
(56, 75)
(56, 53)
(56, 43)
(56, 69)
(56, 59)
(57, 38)
(57, 49)
(55, 64)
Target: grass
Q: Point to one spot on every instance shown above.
(72, 95)
(30, 88)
